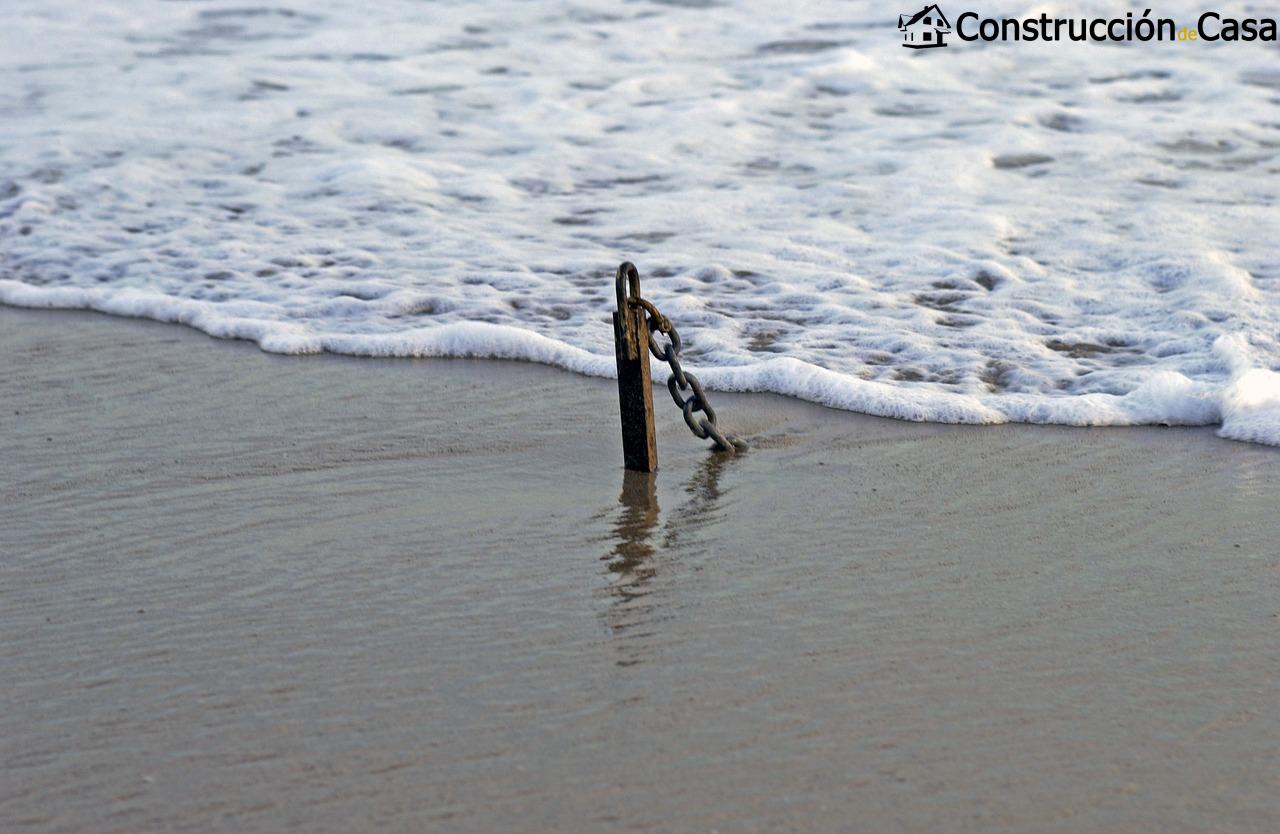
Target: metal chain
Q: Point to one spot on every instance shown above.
(682, 380)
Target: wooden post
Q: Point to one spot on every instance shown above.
(635, 392)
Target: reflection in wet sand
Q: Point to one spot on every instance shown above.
(636, 605)
(703, 506)
(631, 565)
(630, 560)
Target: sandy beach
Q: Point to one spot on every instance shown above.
(249, 592)
(313, 514)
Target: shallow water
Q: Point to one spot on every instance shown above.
(247, 592)
(1061, 233)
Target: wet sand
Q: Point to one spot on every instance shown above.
(245, 592)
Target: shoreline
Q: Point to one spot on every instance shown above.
(1237, 411)
(244, 591)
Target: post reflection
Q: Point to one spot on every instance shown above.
(633, 534)
(631, 566)
(642, 539)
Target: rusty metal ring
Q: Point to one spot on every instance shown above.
(698, 431)
(628, 278)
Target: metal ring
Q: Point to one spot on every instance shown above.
(698, 430)
(672, 333)
(659, 354)
(676, 343)
(702, 404)
(628, 278)
(722, 443)
(677, 371)
(672, 384)
(666, 353)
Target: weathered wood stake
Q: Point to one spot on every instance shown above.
(635, 392)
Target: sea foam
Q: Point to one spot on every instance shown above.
(1063, 233)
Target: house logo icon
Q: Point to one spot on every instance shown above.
(926, 29)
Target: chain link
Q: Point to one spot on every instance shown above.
(681, 380)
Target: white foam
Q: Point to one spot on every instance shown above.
(1062, 233)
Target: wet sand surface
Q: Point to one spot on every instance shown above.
(245, 592)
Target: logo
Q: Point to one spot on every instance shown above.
(926, 29)
(929, 27)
